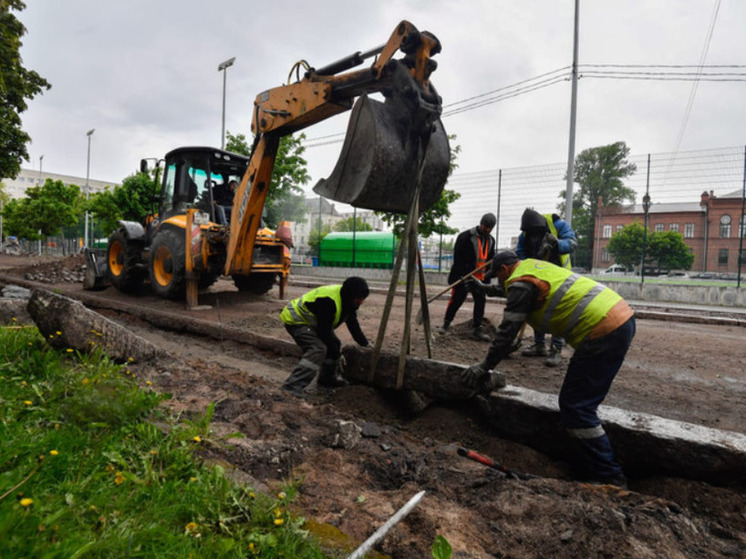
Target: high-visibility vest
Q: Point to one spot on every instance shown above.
(564, 258)
(483, 252)
(297, 312)
(575, 304)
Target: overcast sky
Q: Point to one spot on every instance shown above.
(144, 74)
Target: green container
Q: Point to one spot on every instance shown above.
(372, 249)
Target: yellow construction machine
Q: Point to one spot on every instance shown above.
(392, 149)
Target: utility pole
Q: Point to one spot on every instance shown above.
(573, 118)
(87, 187)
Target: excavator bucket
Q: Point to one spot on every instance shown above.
(378, 165)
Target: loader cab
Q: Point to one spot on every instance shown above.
(191, 174)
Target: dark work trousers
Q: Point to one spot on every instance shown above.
(314, 353)
(458, 296)
(590, 373)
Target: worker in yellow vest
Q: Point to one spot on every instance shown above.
(594, 320)
(311, 320)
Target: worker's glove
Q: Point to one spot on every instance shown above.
(549, 246)
(488, 289)
(340, 365)
(473, 374)
(476, 286)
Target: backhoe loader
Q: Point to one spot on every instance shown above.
(389, 148)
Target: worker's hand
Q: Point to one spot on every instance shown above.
(476, 286)
(340, 365)
(472, 375)
(549, 246)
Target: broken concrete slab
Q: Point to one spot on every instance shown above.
(66, 323)
(645, 444)
(437, 380)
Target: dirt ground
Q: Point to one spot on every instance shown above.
(683, 371)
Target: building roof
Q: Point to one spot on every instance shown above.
(670, 207)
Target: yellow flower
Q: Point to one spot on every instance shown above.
(148, 382)
(279, 521)
(14, 319)
(27, 402)
(192, 479)
(26, 502)
(130, 359)
(191, 527)
(53, 452)
(278, 512)
(86, 381)
(252, 495)
(119, 478)
(58, 333)
(197, 439)
(70, 350)
(93, 508)
(281, 495)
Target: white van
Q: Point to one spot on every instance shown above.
(615, 269)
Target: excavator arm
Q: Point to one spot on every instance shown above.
(384, 145)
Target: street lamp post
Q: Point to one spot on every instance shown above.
(646, 208)
(41, 157)
(222, 67)
(87, 188)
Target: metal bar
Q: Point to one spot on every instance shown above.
(379, 534)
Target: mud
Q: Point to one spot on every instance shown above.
(687, 372)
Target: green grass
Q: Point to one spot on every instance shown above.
(85, 473)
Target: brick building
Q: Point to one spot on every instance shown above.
(710, 228)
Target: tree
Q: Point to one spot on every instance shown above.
(669, 251)
(44, 211)
(625, 246)
(347, 225)
(285, 199)
(132, 201)
(599, 172)
(434, 219)
(315, 237)
(17, 84)
(666, 250)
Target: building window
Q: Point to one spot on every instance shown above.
(723, 256)
(659, 227)
(604, 255)
(607, 231)
(619, 228)
(743, 226)
(689, 231)
(673, 227)
(725, 227)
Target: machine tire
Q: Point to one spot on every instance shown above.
(124, 266)
(258, 283)
(167, 266)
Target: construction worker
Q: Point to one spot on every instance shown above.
(594, 319)
(311, 320)
(474, 247)
(545, 237)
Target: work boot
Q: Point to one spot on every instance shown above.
(480, 335)
(333, 381)
(535, 350)
(443, 329)
(555, 357)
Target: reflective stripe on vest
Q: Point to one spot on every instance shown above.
(575, 304)
(564, 258)
(483, 251)
(297, 312)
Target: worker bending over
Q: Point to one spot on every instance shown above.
(594, 320)
(311, 320)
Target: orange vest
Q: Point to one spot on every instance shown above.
(483, 251)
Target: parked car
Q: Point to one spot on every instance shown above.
(677, 274)
(616, 269)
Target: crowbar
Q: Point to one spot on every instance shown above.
(492, 464)
(454, 284)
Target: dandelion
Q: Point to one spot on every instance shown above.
(130, 359)
(119, 478)
(53, 452)
(148, 383)
(28, 402)
(70, 350)
(252, 495)
(26, 502)
(197, 439)
(14, 319)
(279, 521)
(58, 333)
(281, 495)
(86, 381)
